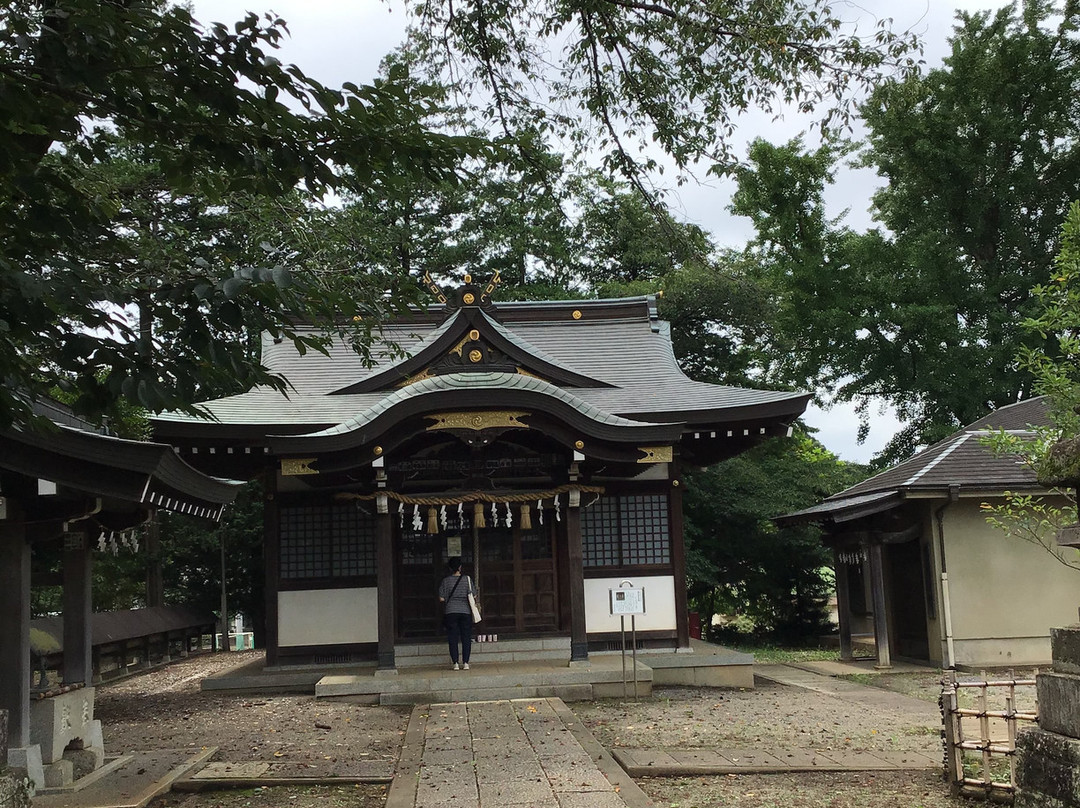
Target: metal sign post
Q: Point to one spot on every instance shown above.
(628, 600)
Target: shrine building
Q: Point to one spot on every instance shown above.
(542, 442)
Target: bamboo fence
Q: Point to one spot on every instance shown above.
(980, 742)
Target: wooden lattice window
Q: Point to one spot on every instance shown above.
(626, 530)
(326, 541)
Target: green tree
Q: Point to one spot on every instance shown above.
(207, 107)
(630, 75)
(1053, 452)
(738, 561)
(980, 159)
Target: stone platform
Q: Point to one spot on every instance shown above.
(500, 670)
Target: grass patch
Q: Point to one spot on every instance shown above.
(779, 653)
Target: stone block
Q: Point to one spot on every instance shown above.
(59, 774)
(58, 720)
(1065, 649)
(1048, 770)
(94, 738)
(1059, 703)
(25, 761)
(86, 760)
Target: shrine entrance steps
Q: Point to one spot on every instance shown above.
(511, 669)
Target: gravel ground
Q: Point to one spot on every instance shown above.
(771, 715)
(298, 735)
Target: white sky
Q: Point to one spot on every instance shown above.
(336, 41)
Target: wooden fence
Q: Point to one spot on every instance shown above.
(980, 739)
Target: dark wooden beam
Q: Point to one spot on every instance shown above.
(271, 547)
(384, 562)
(15, 628)
(678, 560)
(843, 605)
(78, 561)
(881, 618)
(579, 640)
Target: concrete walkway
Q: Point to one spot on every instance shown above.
(527, 752)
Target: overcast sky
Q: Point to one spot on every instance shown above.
(336, 41)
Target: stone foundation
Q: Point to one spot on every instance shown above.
(1048, 758)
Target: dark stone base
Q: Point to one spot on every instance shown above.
(579, 651)
(1047, 770)
(1059, 703)
(1065, 648)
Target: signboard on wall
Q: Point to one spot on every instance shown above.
(627, 601)
(453, 546)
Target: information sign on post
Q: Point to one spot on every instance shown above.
(627, 600)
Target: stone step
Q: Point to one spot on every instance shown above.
(526, 650)
(501, 681)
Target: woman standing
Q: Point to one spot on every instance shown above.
(454, 595)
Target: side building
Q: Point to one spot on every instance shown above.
(921, 571)
(542, 442)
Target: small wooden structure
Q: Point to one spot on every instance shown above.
(920, 570)
(67, 482)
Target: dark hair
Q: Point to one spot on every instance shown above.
(454, 563)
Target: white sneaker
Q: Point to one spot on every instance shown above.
(465, 666)
(454, 667)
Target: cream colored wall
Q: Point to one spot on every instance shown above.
(328, 616)
(1006, 593)
(659, 604)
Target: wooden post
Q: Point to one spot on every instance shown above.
(78, 609)
(384, 563)
(579, 641)
(843, 605)
(678, 562)
(15, 629)
(881, 618)
(155, 580)
(271, 549)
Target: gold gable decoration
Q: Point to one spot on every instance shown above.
(655, 454)
(297, 466)
(477, 420)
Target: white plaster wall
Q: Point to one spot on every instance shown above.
(328, 616)
(659, 603)
(1006, 593)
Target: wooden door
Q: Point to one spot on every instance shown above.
(421, 566)
(518, 583)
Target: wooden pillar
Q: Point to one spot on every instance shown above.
(271, 549)
(78, 609)
(15, 629)
(881, 618)
(384, 562)
(155, 579)
(678, 562)
(579, 641)
(843, 605)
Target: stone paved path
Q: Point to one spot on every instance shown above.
(527, 752)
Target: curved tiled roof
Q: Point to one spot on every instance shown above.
(618, 343)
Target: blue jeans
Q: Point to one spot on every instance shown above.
(459, 629)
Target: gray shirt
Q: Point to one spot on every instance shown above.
(459, 603)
